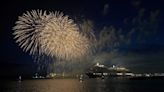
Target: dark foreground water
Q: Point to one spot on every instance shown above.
(88, 85)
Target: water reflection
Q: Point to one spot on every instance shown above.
(107, 85)
(56, 85)
(88, 85)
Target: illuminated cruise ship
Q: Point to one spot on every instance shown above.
(99, 70)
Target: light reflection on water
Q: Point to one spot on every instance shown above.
(89, 85)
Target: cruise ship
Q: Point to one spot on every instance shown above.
(99, 70)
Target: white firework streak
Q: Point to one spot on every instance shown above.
(62, 39)
(28, 29)
(51, 34)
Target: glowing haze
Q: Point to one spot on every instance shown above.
(53, 34)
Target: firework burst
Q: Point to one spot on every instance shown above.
(29, 28)
(52, 34)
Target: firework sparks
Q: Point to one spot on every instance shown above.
(52, 34)
(28, 30)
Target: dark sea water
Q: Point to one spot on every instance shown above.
(88, 85)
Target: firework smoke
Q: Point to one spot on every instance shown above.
(52, 34)
(86, 28)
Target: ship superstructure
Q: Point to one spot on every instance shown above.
(99, 70)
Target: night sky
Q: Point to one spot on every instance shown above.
(143, 51)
